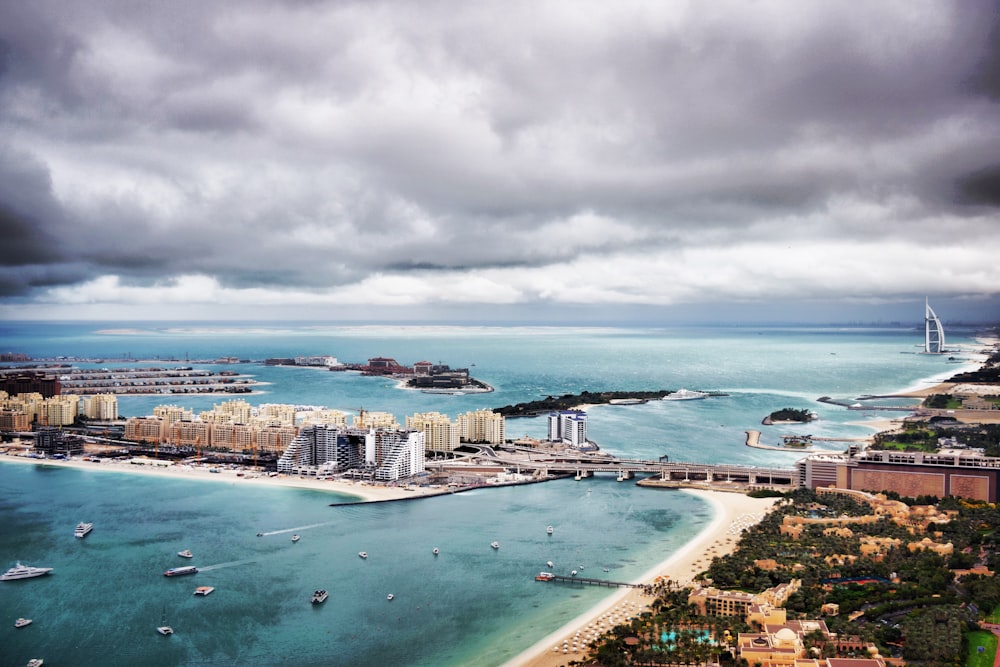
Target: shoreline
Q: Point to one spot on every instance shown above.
(363, 491)
(732, 513)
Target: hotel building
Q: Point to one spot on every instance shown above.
(568, 427)
(440, 434)
(483, 426)
(382, 454)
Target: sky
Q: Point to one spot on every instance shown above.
(500, 161)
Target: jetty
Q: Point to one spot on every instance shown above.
(587, 581)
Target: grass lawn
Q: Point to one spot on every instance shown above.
(980, 638)
(994, 616)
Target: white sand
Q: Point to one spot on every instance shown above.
(733, 512)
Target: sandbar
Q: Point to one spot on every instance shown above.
(733, 512)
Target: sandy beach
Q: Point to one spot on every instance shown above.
(733, 513)
(363, 491)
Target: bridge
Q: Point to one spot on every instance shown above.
(586, 466)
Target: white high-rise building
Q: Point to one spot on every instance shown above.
(569, 427)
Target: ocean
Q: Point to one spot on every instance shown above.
(470, 605)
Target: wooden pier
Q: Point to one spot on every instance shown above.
(593, 582)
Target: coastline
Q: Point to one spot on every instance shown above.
(732, 513)
(363, 491)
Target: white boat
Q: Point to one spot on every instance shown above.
(185, 554)
(362, 554)
(23, 572)
(163, 628)
(390, 596)
(572, 573)
(21, 622)
(550, 530)
(549, 563)
(82, 529)
(180, 571)
(296, 538)
(36, 662)
(319, 596)
(435, 551)
(495, 544)
(684, 395)
(204, 590)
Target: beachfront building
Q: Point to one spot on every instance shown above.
(197, 434)
(231, 412)
(712, 601)
(276, 414)
(60, 410)
(803, 644)
(172, 413)
(381, 454)
(324, 416)
(30, 404)
(568, 427)
(14, 421)
(483, 426)
(274, 438)
(145, 429)
(933, 331)
(103, 407)
(440, 434)
(366, 420)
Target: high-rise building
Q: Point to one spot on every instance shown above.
(440, 434)
(483, 426)
(103, 407)
(568, 427)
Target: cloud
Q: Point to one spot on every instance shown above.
(516, 154)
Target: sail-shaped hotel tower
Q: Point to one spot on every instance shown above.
(933, 331)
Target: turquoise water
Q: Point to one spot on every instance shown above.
(471, 605)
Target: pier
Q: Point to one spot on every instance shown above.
(593, 582)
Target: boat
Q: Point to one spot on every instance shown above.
(550, 530)
(319, 596)
(544, 576)
(684, 395)
(495, 544)
(163, 628)
(572, 573)
(204, 590)
(185, 554)
(36, 662)
(21, 622)
(296, 537)
(362, 554)
(20, 571)
(260, 534)
(82, 529)
(549, 563)
(179, 571)
(435, 551)
(390, 596)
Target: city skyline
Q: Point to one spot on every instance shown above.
(571, 162)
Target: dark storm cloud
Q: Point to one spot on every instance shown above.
(511, 148)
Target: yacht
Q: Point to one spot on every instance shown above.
(544, 576)
(390, 596)
(36, 662)
(178, 571)
(21, 622)
(23, 572)
(685, 395)
(163, 628)
(82, 529)
(185, 554)
(204, 590)
(550, 530)
(296, 537)
(435, 551)
(319, 596)
(495, 544)
(362, 554)
(550, 563)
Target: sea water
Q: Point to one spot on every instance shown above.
(469, 605)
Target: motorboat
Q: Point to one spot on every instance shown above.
(36, 662)
(549, 563)
(260, 534)
(179, 571)
(362, 554)
(296, 537)
(435, 551)
(20, 571)
(21, 622)
(83, 529)
(185, 554)
(390, 596)
(319, 596)
(544, 576)
(204, 590)
(550, 530)
(572, 573)
(685, 395)
(495, 544)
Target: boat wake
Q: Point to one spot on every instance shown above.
(295, 530)
(219, 566)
